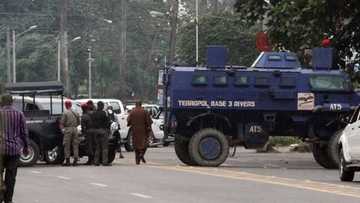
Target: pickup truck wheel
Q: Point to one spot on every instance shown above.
(54, 156)
(182, 150)
(166, 143)
(209, 147)
(32, 157)
(112, 154)
(321, 156)
(345, 173)
(129, 146)
(333, 148)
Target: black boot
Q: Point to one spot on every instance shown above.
(137, 158)
(90, 161)
(67, 162)
(121, 156)
(75, 163)
(143, 159)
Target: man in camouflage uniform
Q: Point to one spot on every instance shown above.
(68, 124)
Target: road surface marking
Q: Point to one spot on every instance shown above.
(141, 195)
(63, 177)
(99, 184)
(36, 172)
(341, 190)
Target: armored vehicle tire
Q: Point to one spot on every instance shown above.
(333, 148)
(129, 142)
(32, 157)
(208, 147)
(345, 173)
(54, 156)
(321, 156)
(182, 150)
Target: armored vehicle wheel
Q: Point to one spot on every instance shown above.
(33, 155)
(333, 148)
(345, 173)
(129, 142)
(112, 154)
(54, 156)
(182, 150)
(321, 156)
(209, 147)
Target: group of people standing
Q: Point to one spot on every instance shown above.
(95, 125)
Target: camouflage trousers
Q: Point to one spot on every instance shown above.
(71, 138)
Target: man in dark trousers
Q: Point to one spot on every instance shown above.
(101, 122)
(15, 140)
(139, 123)
(87, 132)
(90, 136)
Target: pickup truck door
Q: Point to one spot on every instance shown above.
(354, 139)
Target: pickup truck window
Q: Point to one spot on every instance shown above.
(355, 116)
(116, 107)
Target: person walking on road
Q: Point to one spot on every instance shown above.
(101, 123)
(68, 124)
(14, 140)
(139, 123)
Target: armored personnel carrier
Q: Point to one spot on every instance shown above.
(209, 109)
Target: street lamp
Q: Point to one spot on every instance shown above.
(108, 21)
(197, 31)
(14, 35)
(90, 60)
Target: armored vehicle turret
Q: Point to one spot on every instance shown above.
(209, 109)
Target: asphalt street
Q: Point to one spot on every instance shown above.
(247, 177)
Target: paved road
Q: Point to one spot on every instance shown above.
(248, 177)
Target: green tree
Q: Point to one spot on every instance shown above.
(296, 25)
(223, 29)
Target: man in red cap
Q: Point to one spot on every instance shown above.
(68, 124)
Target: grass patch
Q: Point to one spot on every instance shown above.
(284, 141)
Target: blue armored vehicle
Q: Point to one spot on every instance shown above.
(209, 109)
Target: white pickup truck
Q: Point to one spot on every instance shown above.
(122, 114)
(349, 148)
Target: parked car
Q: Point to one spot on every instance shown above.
(349, 147)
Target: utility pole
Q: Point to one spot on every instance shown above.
(197, 31)
(8, 55)
(174, 9)
(14, 55)
(64, 44)
(58, 60)
(123, 42)
(90, 60)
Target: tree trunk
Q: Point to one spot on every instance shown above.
(123, 60)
